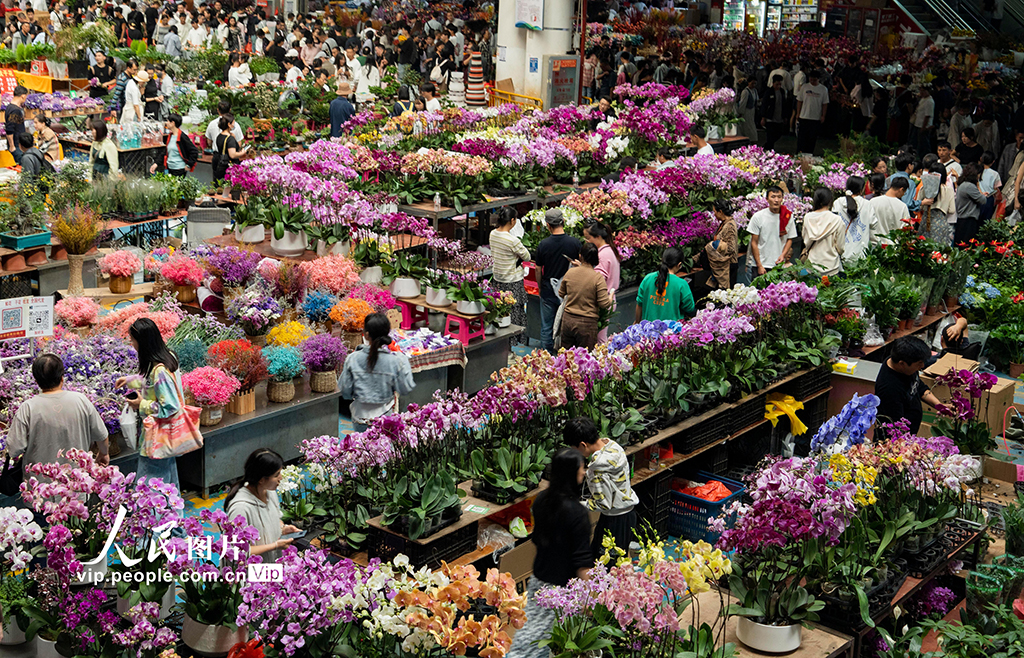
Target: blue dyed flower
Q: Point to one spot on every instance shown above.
(855, 419)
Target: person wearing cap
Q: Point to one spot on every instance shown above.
(341, 109)
(133, 106)
(553, 256)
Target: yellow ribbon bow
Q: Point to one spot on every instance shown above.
(778, 405)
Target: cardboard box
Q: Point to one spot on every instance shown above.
(993, 403)
(519, 563)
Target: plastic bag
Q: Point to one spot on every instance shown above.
(499, 538)
(873, 337)
(518, 528)
(711, 491)
(129, 427)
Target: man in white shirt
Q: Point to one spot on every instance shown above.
(212, 130)
(799, 78)
(953, 168)
(197, 36)
(772, 239)
(922, 122)
(961, 119)
(697, 138)
(133, 105)
(787, 79)
(811, 110)
(890, 211)
(429, 91)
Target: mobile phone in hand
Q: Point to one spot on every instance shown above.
(294, 535)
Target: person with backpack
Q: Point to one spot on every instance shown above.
(33, 162)
(226, 149)
(404, 102)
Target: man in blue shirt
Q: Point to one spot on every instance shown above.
(904, 167)
(341, 109)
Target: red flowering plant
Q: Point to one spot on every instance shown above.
(241, 359)
(182, 271)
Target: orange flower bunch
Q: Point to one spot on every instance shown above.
(436, 608)
(351, 314)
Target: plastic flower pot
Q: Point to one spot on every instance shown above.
(769, 639)
(405, 288)
(120, 285)
(210, 416)
(1016, 369)
(291, 245)
(438, 297)
(470, 308)
(13, 633)
(731, 130)
(185, 294)
(372, 275)
(213, 641)
(280, 391)
(46, 648)
(505, 321)
(323, 382)
(251, 234)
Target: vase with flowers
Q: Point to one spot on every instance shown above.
(234, 267)
(284, 363)
(350, 314)
(121, 266)
(78, 229)
(499, 307)
(245, 362)
(211, 388)
(20, 538)
(185, 275)
(290, 333)
(324, 355)
(254, 311)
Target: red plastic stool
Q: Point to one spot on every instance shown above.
(410, 314)
(466, 328)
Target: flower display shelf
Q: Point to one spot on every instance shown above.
(930, 558)
(484, 491)
(845, 615)
(748, 411)
(816, 380)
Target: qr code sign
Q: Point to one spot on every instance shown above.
(38, 318)
(11, 319)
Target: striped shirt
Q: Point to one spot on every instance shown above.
(505, 250)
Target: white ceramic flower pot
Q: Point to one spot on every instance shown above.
(770, 639)
(505, 321)
(251, 234)
(213, 641)
(166, 603)
(731, 130)
(337, 249)
(46, 649)
(470, 308)
(490, 330)
(978, 470)
(290, 246)
(372, 275)
(713, 132)
(405, 288)
(13, 634)
(438, 297)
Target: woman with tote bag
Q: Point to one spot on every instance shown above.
(170, 428)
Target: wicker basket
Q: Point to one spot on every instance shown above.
(323, 382)
(280, 391)
(353, 339)
(185, 294)
(120, 285)
(242, 402)
(258, 341)
(211, 415)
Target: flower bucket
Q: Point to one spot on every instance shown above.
(258, 341)
(13, 634)
(280, 391)
(470, 308)
(1016, 370)
(185, 294)
(242, 403)
(505, 321)
(405, 288)
(120, 285)
(323, 382)
(769, 639)
(372, 275)
(291, 245)
(46, 649)
(251, 234)
(211, 416)
(213, 641)
(166, 603)
(438, 297)
(337, 249)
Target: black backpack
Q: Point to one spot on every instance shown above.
(46, 172)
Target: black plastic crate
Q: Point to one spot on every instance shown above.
(18, 284)
(747, 412)
(815, 381)
(703, 434)
(387, 546)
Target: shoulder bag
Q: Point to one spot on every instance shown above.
(174, 436)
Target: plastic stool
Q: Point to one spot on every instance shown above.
(466, 328)
(410, 314)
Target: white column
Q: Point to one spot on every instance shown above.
(554, 39)
(512, 40)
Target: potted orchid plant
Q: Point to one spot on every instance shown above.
(18, 533)
(404, 272)
(250, 221)
(371, 251)
(287, 230)
(121, 266)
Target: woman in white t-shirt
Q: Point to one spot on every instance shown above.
(292, 72)
(255, 498)
(858, 216)
(824, 234)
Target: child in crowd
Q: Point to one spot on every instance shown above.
(608, 482)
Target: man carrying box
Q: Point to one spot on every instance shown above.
(898, 386)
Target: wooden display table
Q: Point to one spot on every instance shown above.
(880, 352)
(104, 296)
(401, 240)
(457, 325)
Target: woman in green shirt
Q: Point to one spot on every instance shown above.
(665, 297)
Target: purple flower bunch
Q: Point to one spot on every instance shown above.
(663, 120)
(643, 332)
(323, 353)
(150, 503)
(933, 601)
(325, 158)
(579, 597)
(235, 266)
(144, 635)
(487, 148)
(650, 91)
(781, 296)
(641, 192)
(699, 226)
(835, 177)
(712, 101)
(348, 456)
(254, 310)
(712, 172)
(715, 325)
(545, 152)
(852, 423)
(771, 165)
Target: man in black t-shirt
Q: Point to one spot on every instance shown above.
(136, 24)
(553, 256)
(968, 150)
(152, 15)
(14, 118)
(898, 386)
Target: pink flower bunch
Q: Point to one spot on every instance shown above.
(77, 311)
(596, 203)
(210, 387)
(771, 165)
(712, 101)
(348, 456)
(713, 172)
(835, 177)
(641, 192)
(182, 271)
(631, 240)
(335, 274)
(118, 321)
(324, 158)
(652, 91)
(780, 296)
(166, 321)
(380, 299)
(120, 263)
(438, 161)
(660, 121)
